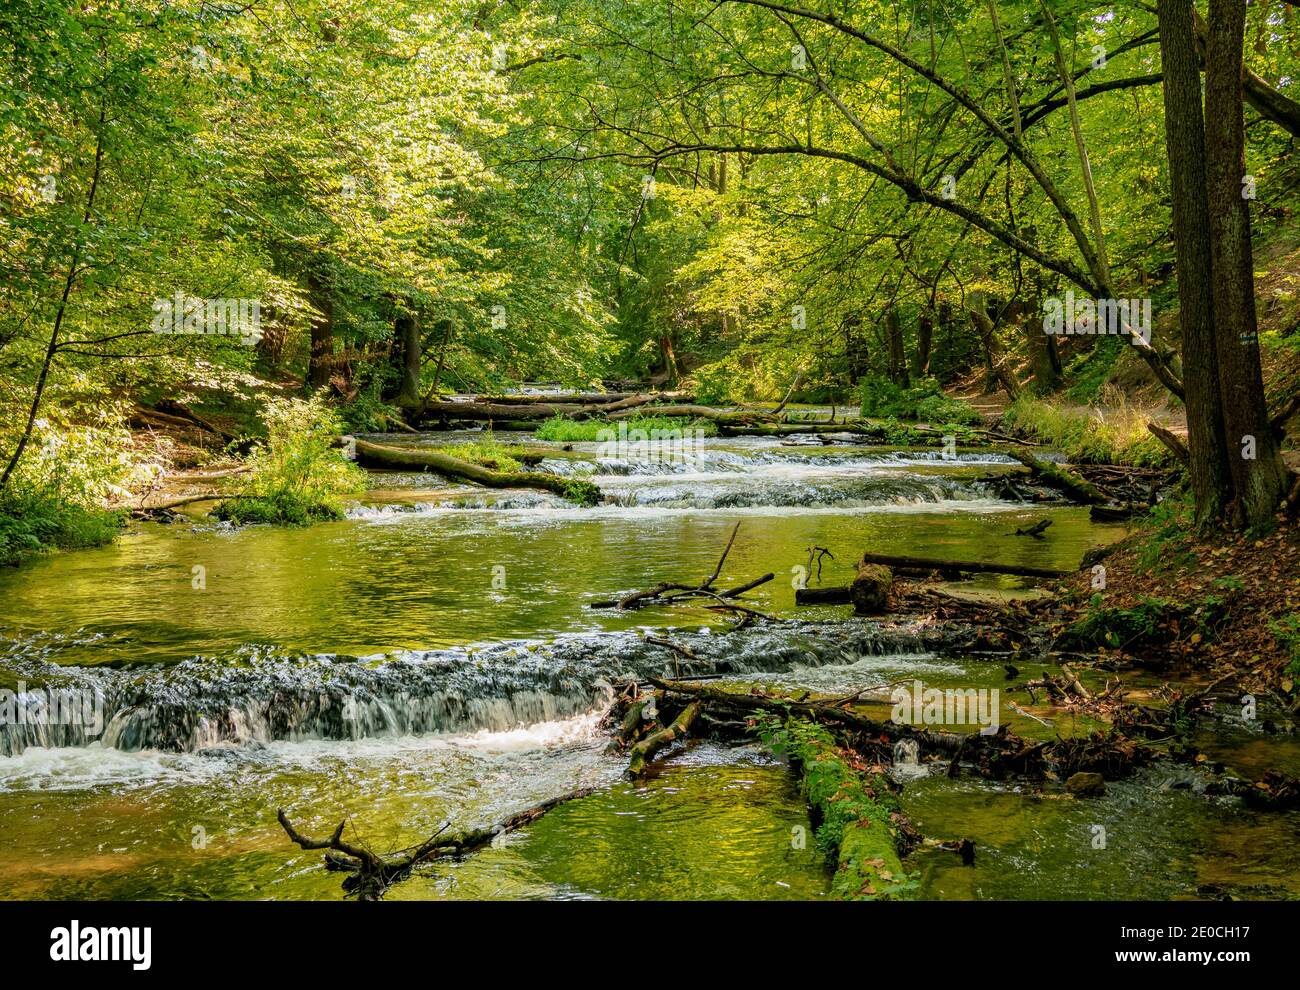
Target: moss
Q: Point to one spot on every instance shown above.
(851, 808)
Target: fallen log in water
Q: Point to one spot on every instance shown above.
(674, 593)
(966, 566)
(834, 595)
(372, 873)
(869, 591)
(645, 750)
(1063, 480)
(422, 459)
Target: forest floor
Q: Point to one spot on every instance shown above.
(1213, 604)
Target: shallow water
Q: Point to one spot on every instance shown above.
(431, 659)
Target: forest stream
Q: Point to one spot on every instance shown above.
(457, 623)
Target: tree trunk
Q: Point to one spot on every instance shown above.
(406, 331)
(1185, 141)
(870, 589)
(320, 365)
(1254, 460)
(1046, 379)
(924, 341)
(897, 351)
(995, 359)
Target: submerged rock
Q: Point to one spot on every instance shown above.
(1086, 785)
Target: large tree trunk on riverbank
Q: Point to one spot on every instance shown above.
(1254, 459)
(1185, 140)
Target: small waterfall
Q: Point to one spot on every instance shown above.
(907, 753)
(255, 696)
(907, 760)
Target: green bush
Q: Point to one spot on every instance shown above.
(925, 402)
(487, 451)
(1287, 632)
(561, 428)
(77, 460)
(30, 526)
(299, 474)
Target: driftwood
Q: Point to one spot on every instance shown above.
(837, 595)
(404, 459)
(1036, 530)
(372, 873)
(645, 750)
(673, 593)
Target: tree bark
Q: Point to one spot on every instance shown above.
(406, 331)
(1207, 453)
(870, 589)
(320, 364)
(896, 348)
(1258, 482)
(924, 342)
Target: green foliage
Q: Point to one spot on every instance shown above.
(78, 462)
(561, 428)
(1287, 632)
(582, 492)
(1166, 544)
(29, 527)
(299, 474)
(489, 452)
(1152, 620)
(1119, 436)
(1089, 371)
(923, 402)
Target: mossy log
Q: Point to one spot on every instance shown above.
(1063, 480)
(645, 750)
(856, 816)
(422, 459)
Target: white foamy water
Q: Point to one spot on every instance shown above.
(83, 767)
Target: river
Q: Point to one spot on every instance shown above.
(431, 658)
